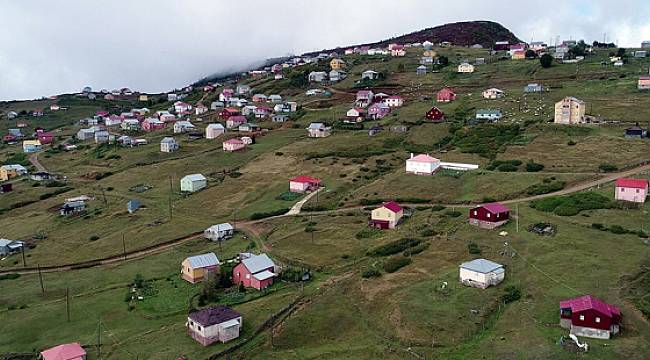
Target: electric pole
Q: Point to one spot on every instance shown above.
(22, 248)
(40, 278)
(67, 303)
(123, 246)
(517, 208)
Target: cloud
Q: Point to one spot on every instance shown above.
(157, 45)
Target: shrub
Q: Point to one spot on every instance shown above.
(437, 207)
(571, 143)
(512, 294)
(507, 168)
(369, 202)
(367, 233)
(94, 238)
(607, 168)
(11, 276)
(394, 247)
(416, 249)
(393, 264)
(545, 187)
(427, 232)
(572, 204)
(453, 213)
(370, 273)
(532, 166)
(473, 248)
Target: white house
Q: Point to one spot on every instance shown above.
(168, 144)
(213, 131)
(219, 232)
(215, 324)
(481, 273)
(465, 68)
(193, 182)
(422, 164)
(394, 101)
(183, 126)
(318, 130)
(493, 93)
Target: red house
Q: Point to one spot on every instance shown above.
(153, 124)
(256, 271)
(303, 184)
(489, 216)
(446, 95)
(590, 317)
(45, 137)
(8, 138)
(228, 112)
(435, 115)
(5, 188)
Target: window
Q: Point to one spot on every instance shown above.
(637, 191)
(248, 276)
(475, 212)
(622, 189)
(488, 215)
(199, 327)
(597, 319)
(582, 318)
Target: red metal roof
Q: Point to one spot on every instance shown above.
(495, 208)
(64, 352)
(588, 302)
(632, 183)
(305, 179)
(393, 206)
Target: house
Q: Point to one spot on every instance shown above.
(254, 271)
(219, 232)
(640, 54)
(421, 70)
(378, 110)
(635, 132)
(183, 126)
(226, 94)
(375, 129)
(40, 176)
(215, 324)
(422, 164)
(427, 45)
(364, 98)
(200, 109)
(182, 108)
(55, 107)
(143, 98)
(399, 52)
(303, 184)
(216, 105)
(153, 124)
(369, 75)
(489, 216)
(318, 130)
(337, 64)
(493, 93)
(426, 60)
(44, 137)
(274, 98)
(570, 111)
(195, 268)
(233, 145)
(479, 61)
(248, 110)
(12, 115)
(234, 121)
(632, 190)
(394, 101)
(533, 88)
(72, 351)
(388, 216)
(355, 115)
(590, 317)
(434, 114)
(130, 125)
(446, 95)
(168, 145)
(243, 89)
(644, 83)
(31, 146)
(337, 75)
(133, 206)
(228, 112)
(317, 76)
(85, 134)
(72, 207)
(280, 118)
(248, 127)
(465, 68)
(213, 131)
(112, 120)
(259, 98)
(247, 140)
(262, 111)
(193, 182)
(519, 55)
(645, 44)
(286, 107)
(481, 273)
(102, 136)
(10, 246)
(490, 115)
(276, 68)
(11, 171)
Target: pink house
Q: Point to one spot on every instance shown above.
(45, 137)
(72, 351)
(235, 121)
(256, 271)
(303, 184)
(152, 124)
(262, 111)
(102, 113)
(394, 101)
(378, 110)
(633, 190)
(233, 145)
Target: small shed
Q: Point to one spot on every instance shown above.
(133, 205)
(481, 273)
(193, 182)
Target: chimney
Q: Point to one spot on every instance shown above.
(411, 155)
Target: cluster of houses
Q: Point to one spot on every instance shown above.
(369, 105)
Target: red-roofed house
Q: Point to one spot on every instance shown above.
(233, 145)
(434, 114)
(590, 317)
(446, 95)
(489, 216)
(422, 164)
(633, 190)
(394, 101)
(303, 184)
(72, 351)
(234, 121)
(45, 137)
(228, 112)
(388, 216)
(644, 83)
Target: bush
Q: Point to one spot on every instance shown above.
(571, 143)
(263, 215)
(473, 248)
(367, 233)
(512, 294)
(507, 168)
(532, 166)
(453, 213)
(416, 249)
(394, 247)
(427, 232)
(11, 276)
(437, 207)
(607, 168)
(369, 202)
(371, 273)
(545, 187)
(393, 264)
(94, 238)
(572, 204)
(546, 61)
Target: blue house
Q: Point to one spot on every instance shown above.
(133, 206)
(533, 88)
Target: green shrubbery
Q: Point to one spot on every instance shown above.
(262, 215)
(367, 233)
(572, 204)
(607, 168)
(619, 230)
(532, 166)
(545, 187)
(473, 248)
(393, 264)
(394, 247)
(485, 140)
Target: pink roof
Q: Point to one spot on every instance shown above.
(644, 77)
(632, 183)
(237, 119)
(588, 302)
(424, 158)
(102, 113)
(305, 179)
(392, 206)
(234, 142)
(72, 351)
(363, 92)
(395, 97)
(495, 208)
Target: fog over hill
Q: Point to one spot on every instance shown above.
(156, 45)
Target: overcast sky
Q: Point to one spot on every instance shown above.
(54, 46)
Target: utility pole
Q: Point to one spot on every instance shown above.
(99, 338)
(517, 208)
(171, 215)
(104, 196)
(22, 248)
(123, 246)
(40, 278)
(67, 303)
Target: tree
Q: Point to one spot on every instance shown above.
(209, 291)
(546, 61)
(400, 67)
(621, 52)
(443, 60)
(531, 54)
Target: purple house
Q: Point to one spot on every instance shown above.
(364, 98)
(378, 110)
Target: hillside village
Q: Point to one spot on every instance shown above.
(395, 200)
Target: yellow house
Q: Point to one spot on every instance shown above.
(143, 98)
(465, 68)
(337, 64)
(196, 268)
(11, 171)
(570, 111)
(519, 55)
(430, 53)
(387, 216)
